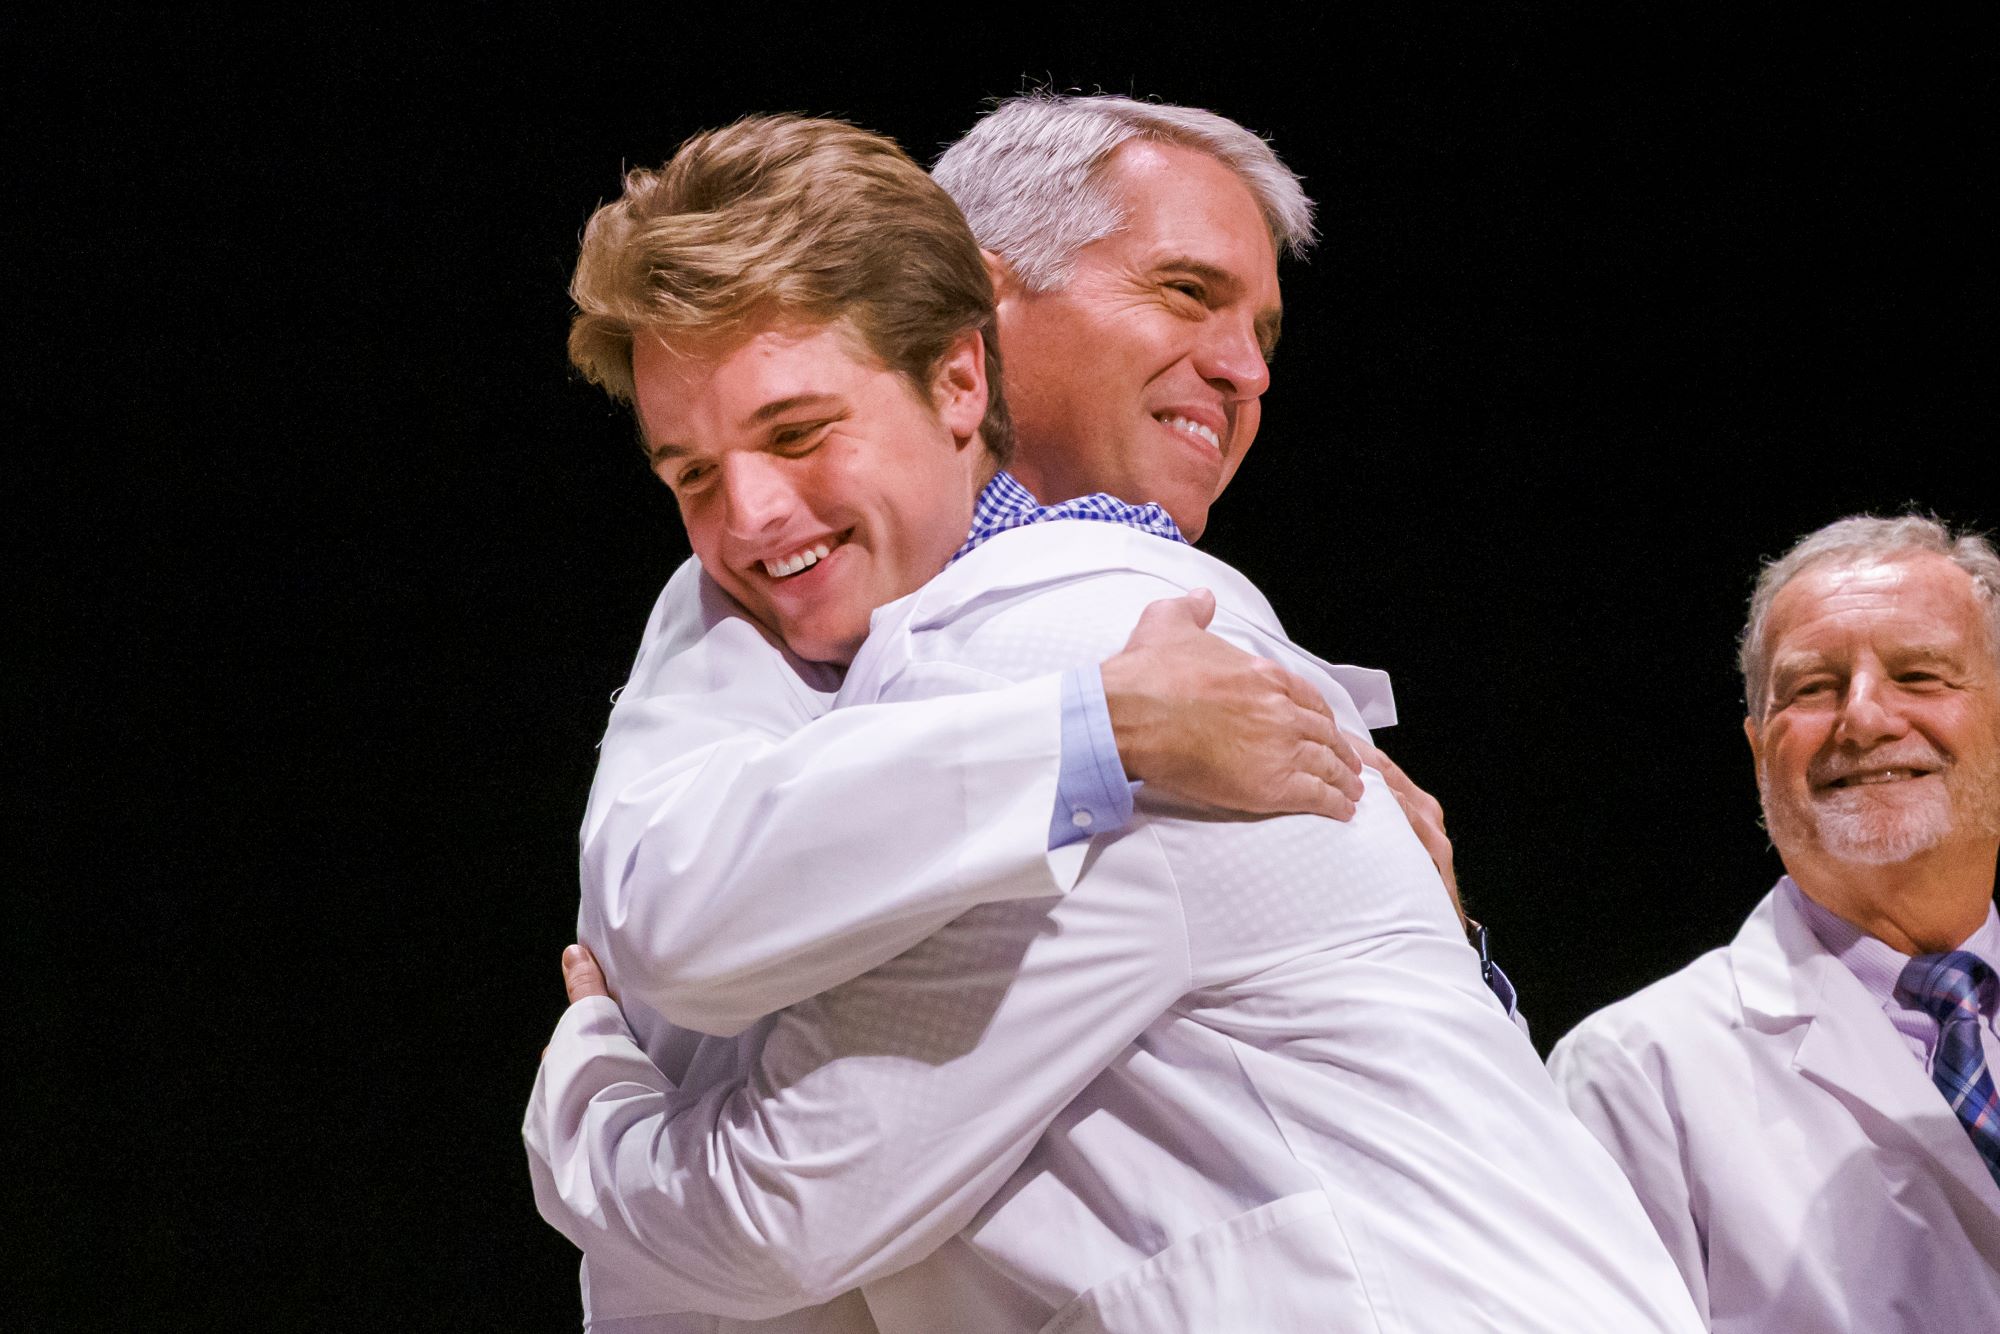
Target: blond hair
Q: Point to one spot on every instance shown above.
(785, 217)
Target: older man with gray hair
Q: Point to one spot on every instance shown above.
(1137, 314)
(1133, 248)
(1809, 1115)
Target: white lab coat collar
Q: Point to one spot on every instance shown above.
(1786, 978)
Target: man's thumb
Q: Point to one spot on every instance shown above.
(1193, 609)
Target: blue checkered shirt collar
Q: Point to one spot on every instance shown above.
(1005, 504)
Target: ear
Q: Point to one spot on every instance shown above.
(958, 387)
(1756, 740)
(1006, 286)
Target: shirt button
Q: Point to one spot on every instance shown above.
(1081, 819)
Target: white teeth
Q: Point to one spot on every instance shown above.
(1195, 429)
(798, 560)
(1873, 776)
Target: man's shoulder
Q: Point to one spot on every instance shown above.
(1686, 1007)
(1085, 583)
(1649, 1047)
(1068, 551)
(1044, 596)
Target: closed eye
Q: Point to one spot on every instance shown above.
(796, 438)
(1811, 689)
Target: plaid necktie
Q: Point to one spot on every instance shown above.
(1949, 987)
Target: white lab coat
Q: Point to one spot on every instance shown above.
(743, 850)
(727, 867)
(1803, 1170)
(1276, 1094)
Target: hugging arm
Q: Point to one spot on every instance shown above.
(878, 1117)
(743, 852)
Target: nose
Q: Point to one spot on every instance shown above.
(1231, 357)
(757, 494)
(1868, 714)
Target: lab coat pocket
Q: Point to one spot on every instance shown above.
(1285, 1266)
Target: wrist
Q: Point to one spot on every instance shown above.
(1132, 717)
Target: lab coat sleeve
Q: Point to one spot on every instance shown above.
(879, 1117)
(745, 850)
(1622, 1092)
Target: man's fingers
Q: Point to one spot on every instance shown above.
(1302, 694)
(1377, 759)
(1306, 794)
(1325, 758)
(581, 975)
(1416, 802)
(1201, 603)
(1429, 832)
(1347, 765)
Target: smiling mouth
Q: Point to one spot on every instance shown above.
(1876, 777)
(784, 567)
(1194, 430)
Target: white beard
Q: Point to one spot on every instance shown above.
(1883, 823)
(1864, 825)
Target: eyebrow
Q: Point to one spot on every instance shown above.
(1268, 322)
(777, 407)
(1924, 652)
(1813, 660)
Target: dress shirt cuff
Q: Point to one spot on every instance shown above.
(1092, 793)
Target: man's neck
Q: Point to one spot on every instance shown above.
(1041, 486)
(1926, 905)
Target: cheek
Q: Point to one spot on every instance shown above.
(703, 524)
(1793, 749)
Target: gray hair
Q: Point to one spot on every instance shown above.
(1028, 176)
(1851, 541)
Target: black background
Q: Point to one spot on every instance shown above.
(331, 563)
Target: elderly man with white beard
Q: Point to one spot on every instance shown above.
(1809, 1113)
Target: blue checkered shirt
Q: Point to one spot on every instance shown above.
(1005, 504)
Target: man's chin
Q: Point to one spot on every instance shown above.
(810, 639)
(1878, 832)
(1188, 508)
(1192, 522)
(831, 645)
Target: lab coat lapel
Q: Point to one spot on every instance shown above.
(1848, 1047)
